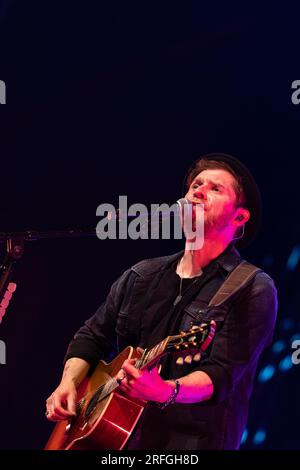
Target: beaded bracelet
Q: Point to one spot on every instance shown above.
(172, 397)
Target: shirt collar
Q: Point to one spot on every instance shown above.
(228, 259)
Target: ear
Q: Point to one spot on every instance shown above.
(241, 217)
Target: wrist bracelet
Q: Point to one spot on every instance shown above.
(172, 397)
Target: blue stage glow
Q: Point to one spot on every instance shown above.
(295, 336)
(279, 346)
(268, 261)
(285, 364)
(259, 437)
(287, 324)
(266, 373)
(244, 436)
(293, 259)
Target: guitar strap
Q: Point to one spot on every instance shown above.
(237, 279)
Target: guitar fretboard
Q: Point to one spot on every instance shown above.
(151, 355)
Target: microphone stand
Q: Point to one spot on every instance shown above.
(15, 244)
(33, 235)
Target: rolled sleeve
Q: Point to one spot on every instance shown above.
(247, 330)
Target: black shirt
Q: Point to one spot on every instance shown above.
(160, 303)
(245, 327)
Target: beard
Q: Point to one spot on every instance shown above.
(212, 223)
(216, 223)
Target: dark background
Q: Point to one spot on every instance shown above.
(119, 98)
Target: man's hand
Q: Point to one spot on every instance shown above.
(61, 403)
(144, 385)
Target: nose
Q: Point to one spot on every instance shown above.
(200, 193)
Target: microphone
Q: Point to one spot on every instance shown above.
(136, 221)
(164, 211)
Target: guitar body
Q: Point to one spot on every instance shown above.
(105, 417)
(104, 423)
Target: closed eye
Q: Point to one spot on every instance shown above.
(215, 187)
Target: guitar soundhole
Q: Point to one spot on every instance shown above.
(93, 402)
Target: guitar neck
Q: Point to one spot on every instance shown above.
(151, 356)
(196, 340)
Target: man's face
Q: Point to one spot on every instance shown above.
(215, 190)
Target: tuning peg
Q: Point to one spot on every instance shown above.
(179, 361)
(194, 328)
(197, 357)
(4, 302)
(192, 338)
(185, 345)
(188, 359)
(11, 287)
(2, 313)
(8, 295)
(6, 298)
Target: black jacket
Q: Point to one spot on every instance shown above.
(244, 328)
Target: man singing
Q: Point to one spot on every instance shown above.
(197, 405)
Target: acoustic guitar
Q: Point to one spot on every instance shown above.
(105, 417)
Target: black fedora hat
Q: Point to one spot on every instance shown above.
(251, 191)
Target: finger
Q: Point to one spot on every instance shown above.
(59, 409)
(140, 351)
(124, 379)
(131, 370)
(121, 375)
(126, 387)
(126, 363)
(61, 413)
(154, 371)
(132, 362)
(71, 404)
(54, 417)
(51, 415)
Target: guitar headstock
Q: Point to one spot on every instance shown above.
(5, 299)
(189, 345)
(14, 251)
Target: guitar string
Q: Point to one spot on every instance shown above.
(108, 387)
(112, 384)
